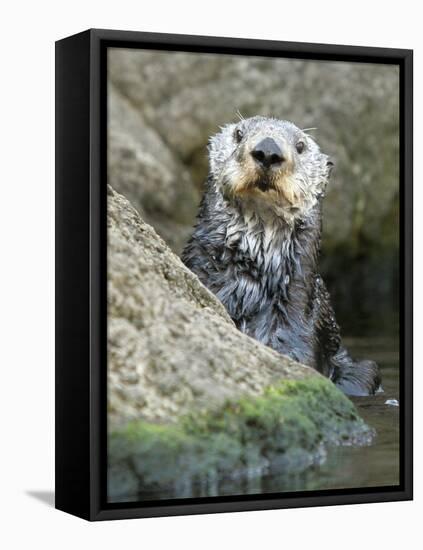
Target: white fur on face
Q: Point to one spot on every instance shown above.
(296, 186)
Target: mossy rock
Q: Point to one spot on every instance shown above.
(285, 430)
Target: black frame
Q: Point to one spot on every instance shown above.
(81, 292)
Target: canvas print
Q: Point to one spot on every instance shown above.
(252, 275)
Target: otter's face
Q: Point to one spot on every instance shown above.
(269, 161)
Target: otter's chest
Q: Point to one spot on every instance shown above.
(263, 287)
(259, 268)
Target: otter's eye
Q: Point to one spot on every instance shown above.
(300, 146)
(238, 135)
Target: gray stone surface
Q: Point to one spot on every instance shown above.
(148, 173)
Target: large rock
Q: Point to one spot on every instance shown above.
(144, 169)
(194, 405)
(172, 346)
(174, 101)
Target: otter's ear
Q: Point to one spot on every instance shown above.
(220, 147)
(213, 149)
(329, 166)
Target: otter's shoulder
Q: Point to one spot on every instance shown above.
(209, 231)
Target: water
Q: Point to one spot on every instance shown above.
(372, 466)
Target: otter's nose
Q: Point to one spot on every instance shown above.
(268, 153)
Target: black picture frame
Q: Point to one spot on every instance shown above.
(81, 247)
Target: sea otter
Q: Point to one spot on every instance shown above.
(256, 245)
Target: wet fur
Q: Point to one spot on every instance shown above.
(258, 253)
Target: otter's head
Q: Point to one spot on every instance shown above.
(269, 162)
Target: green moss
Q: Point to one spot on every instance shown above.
(284, 430)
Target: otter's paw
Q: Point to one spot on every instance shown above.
(359, 378)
